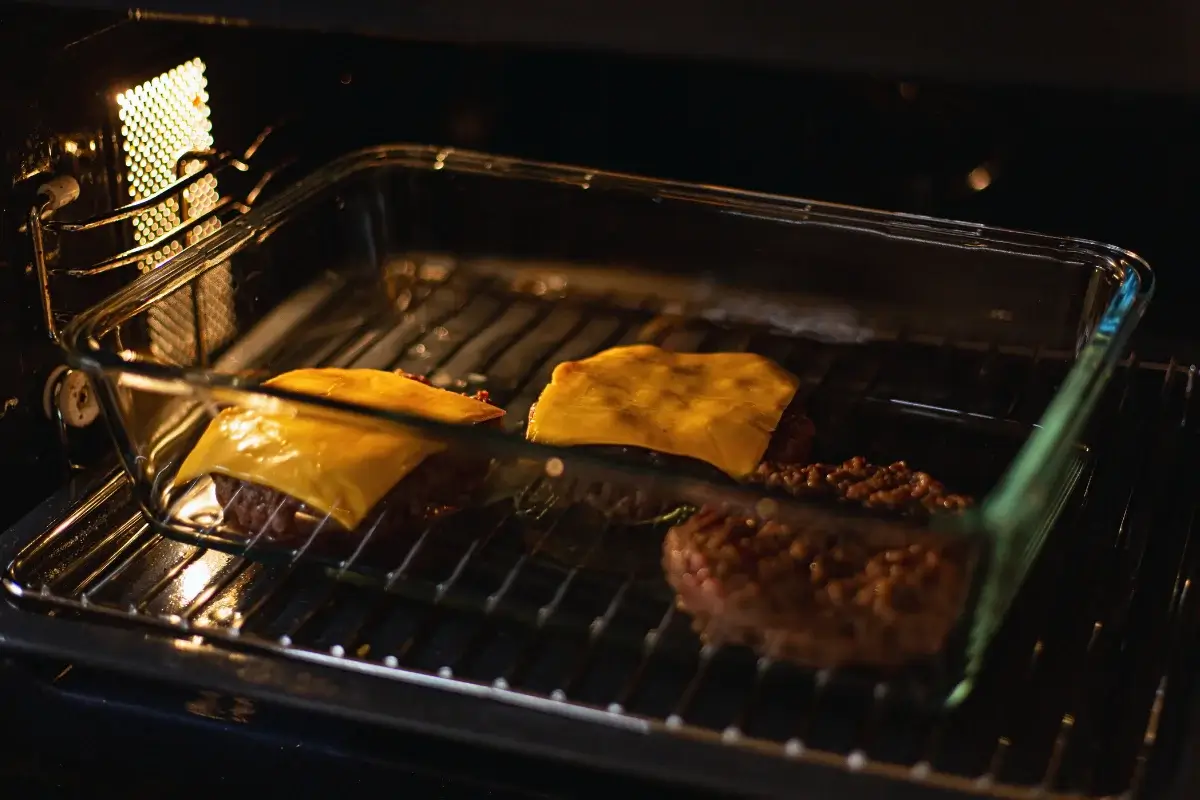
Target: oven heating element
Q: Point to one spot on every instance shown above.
(164, 121)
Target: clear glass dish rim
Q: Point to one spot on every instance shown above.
(1019, 496)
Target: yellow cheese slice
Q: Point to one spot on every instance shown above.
(340, 467)
(721, 408)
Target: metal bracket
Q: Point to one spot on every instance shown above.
(62, 190)
(54, 194)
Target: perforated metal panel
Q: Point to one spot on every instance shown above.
(162, 121)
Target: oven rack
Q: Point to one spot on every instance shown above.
(1073, 702)
(467, 322)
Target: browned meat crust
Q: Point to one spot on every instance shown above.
(894, 488)
(811, 598)
(819, 597)
(440, 485)
(793, 438)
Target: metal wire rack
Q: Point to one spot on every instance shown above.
(508, 341)
(1071, 703)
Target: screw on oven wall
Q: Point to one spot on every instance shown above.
(70, 393)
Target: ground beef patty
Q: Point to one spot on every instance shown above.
(441, 484)
(791, 443)
(820, 596)
(895, 488)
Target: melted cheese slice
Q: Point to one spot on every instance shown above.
(337, 466)
(721, 408)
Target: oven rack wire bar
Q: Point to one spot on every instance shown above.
(1069, 705)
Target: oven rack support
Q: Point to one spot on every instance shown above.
(68, 398)
(59, 192)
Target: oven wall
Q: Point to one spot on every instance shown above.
(1107, 166)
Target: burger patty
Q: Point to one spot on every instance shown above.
(895, 488)
(441, 484)
(790, 443)
(813, 598)
(825, 595)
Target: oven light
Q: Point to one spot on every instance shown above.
(161, 122)
(979, 178)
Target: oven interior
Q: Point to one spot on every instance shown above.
(1085, 690)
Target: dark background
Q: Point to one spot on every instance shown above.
(1103, 43)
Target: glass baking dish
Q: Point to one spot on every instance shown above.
(974, 353)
